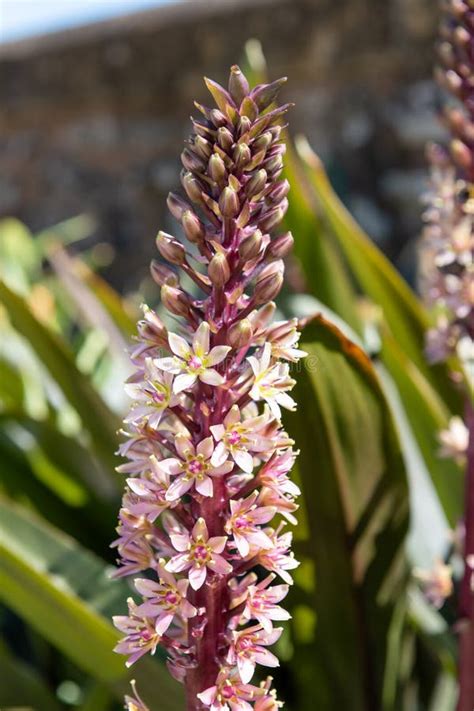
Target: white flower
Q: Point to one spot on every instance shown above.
(271, 382)
(191, 362)
(454, 440)
(239, 439)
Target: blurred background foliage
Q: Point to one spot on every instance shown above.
(377, 500)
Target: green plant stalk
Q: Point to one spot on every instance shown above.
(466, 602)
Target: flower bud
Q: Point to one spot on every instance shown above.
(222, 97)
(263, 316)
(281, 246)
(274, 217)
(151, 328)
(170, 249)
(175, 300)
(229, 203)
(202, 147)
(240, 333)
(193, 227)
(192, 161)
(218, 270)
(193, 187)
(263, 142)
(242, 155)
(461, 154)
(216, 168)
(176, 205)
(256, 183)
(269, 282)
(162, 274)
(251, 246)
(274, 164)
(217, 118)
(279, 191)
(244, 125)
(225, 139)
(238, 85)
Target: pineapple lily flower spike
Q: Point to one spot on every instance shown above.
(449, 287)
(208, 495)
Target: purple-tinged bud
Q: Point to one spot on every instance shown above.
(229, 202)
(162, 274)
(249, 108)
(275, 132)
(176, 205)
(242, 155)
(217, 118)
(256, 183)
(265, 94)
(170, 249)
(274, 217)
(222, 97)
(240, 333)
(251, 246)
(151, 328)
(202, 147)
(216, 168)
(193, 227)
(281, 246)
(261, 318)
(274, 164)
(218, 270)
(225, 139)
(238, 85)
(193, 187)
(262, 142)
(244, 125)
(192, 161)
(244, 216)
(175, 300)
(279, 191)
(269, 282)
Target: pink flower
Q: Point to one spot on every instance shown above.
(244, 524)
(274, 474)
(239, 439)
(282, 504)
(271, 382)
(195, 468)
(248, 649)
(284, 337)
(152, 395)
(164, 599)
(261, 603)
(197, 553)
(279, 558)
(193, 362)
(229, 693)
(150, 490)
(141, 635)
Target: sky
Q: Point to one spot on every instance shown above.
(25, 18)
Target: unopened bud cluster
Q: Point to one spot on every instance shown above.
(202, 527)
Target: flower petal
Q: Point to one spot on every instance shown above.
(243, 459)
(204, 486)
(197, 577)
(210, 376)
(179, 346)
(201, 339)
(217, 354)
(182, 382)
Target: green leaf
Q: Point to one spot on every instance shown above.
(96, 417)
(325, 274)
(19, 259)
(356, 505)
(427, 415)
(378, 279)
(65, 593)
(22, 686)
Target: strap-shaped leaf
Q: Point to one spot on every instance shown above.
(356, 506)
(96, 417)
(65, 593)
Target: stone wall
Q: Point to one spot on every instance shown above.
(93, 118)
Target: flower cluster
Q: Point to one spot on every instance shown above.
(208, 495)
